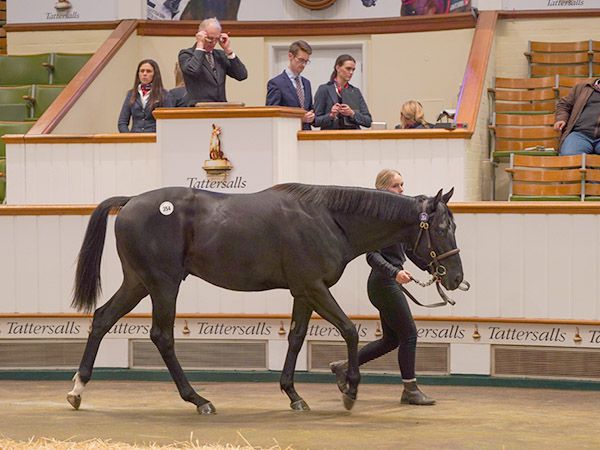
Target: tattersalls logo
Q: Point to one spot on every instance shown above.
(217, 168)
(63, 10)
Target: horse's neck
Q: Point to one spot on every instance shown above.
(366, 234)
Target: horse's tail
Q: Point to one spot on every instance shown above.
(88, 284)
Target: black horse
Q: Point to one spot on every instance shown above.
(291, 236)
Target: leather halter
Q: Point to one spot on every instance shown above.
(436, 268)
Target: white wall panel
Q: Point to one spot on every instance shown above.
(584, 284)
(90, 173)
(519, 266)
(560, 251)
(16, 165)
(511, 275)
(49, 274)
(535, 257)
(26, 263)
(427, 165)
(73, 173)
(8, 303)
(70, 236)
(80, 164)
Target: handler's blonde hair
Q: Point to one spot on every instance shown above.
(384, 179)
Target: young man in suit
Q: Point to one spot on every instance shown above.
(289, 88)
(205, 68)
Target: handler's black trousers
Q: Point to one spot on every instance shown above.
(398, 326)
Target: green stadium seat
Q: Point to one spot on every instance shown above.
(64, 66)
(43, 96)
(15, 94)
(17, 70)
(12, 128)
(15, 112)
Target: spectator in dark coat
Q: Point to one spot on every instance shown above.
(146, 95)
(289, 88)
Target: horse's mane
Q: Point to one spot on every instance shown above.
(355, 200)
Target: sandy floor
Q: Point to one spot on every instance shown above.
(465, 417)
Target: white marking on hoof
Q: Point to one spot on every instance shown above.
(207, 408)
(74, 397)
(74, 400)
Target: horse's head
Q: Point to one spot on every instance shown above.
(434, 246)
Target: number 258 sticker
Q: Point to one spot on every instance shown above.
(166, 208)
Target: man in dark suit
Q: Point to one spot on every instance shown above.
(289, 88)
(205, 68)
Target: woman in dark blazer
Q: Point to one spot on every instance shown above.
(338, 104)
(146, 95)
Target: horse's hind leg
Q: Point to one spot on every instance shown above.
(300, 318)
(124, 300)
(163, 319)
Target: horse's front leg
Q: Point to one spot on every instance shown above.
(300, 318)
(326, 306)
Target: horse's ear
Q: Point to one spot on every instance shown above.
(448, 195)
(436, 200)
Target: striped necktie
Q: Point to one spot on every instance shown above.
(299, 91)
(211, 61)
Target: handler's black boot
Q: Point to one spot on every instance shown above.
(339, 369)
(412, 395)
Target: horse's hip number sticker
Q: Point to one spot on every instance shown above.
(166, 208)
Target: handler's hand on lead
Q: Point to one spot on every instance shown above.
(403, 277)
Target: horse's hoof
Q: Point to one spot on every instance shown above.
(74, 400)
(206, 409)
(300, 405)
(348, 401)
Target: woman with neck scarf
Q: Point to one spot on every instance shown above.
(146, 95)
(338, 104)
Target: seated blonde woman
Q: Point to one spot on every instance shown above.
(412, 116)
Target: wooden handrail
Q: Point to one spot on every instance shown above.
(548, 14)
(462, 319)
(61, 26)
(314, 27)
(471, 89)
(88, 73)
(348, 135)
(247, 111)
(130, 138)
(567, 208)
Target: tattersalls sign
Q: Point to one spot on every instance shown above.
(217, 169)
(550, 4)
(44, 11)
(553, 335)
